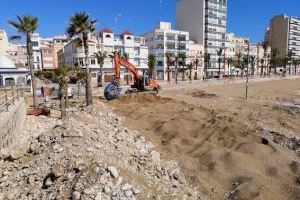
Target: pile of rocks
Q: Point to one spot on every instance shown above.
(91, 155)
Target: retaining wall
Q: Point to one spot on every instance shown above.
(11, 123)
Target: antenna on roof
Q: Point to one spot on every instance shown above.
(160, 9)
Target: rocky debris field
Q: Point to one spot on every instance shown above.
(91, 155)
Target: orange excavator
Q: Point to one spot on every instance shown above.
(142, 83)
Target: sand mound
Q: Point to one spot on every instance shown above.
(202, 94)
(215, 150)
(141, 98)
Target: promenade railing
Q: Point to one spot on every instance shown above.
(9, 95)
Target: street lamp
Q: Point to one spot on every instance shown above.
(247, 79)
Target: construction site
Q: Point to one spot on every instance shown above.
(229, 147)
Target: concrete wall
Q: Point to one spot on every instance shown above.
(11, 123)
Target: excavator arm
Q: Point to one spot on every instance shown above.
(118, 62)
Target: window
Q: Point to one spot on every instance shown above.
(160, 63)
(35, 44)
(93, 62)
(108, 36)
(128, 38)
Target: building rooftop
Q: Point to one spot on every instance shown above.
(6, 63)
(126, 32)
(106, 30)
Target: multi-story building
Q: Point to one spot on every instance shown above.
(49, 48)
(284, 34)
(206, 21)
(126, 43)
(239, 45)
(3, 42)
(18, 54)
(58, 44)
(36, 45)
(162, 40)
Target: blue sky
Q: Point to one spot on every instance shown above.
(245, 18)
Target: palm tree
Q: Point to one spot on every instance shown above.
(183, 58)
(244, 64)
(286, 61)
(190, 67)
(274, 59)
(252, 60)
(290, 55)
(262, 61)
(239, 62)
(63, 74)
(177, 58)
(101, 56)
(80, 76)
(152, 65)
(207, 59)
(265, 46)
(296, 62)
(80, 25)
(196, 63)
(230, 62)
(169, 58)
(219, 53)
(26, 25)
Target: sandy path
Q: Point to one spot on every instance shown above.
(217, 136)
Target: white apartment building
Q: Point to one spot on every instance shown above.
(162, 40)
(206, 21)
(3, 42)
(284, 34)
(108, 42)
(36, 45)
(239, 45)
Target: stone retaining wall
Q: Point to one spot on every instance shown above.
(11, 123)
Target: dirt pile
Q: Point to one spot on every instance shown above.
(91, 155)
(141, 98)
(215, 149)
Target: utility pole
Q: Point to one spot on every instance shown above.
(247, 79)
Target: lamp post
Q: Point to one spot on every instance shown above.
(247, 78)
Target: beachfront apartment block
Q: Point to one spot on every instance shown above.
(284, 34)
(239, 45)
(163, 39)
(206, 22)
(107, 41)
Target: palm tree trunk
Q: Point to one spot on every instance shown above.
(30, 63)
(62, 102)
(183, 73)
(168, 71)
(88, 87)
(101, 75)
(219, 72)
(196, 73)
(66, 95)
(78, 89)
(176, 72)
